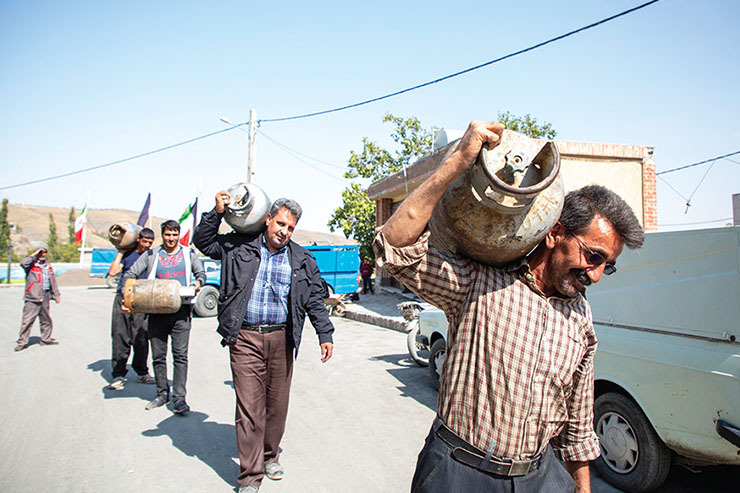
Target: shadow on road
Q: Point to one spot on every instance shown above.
(142, 391)
(212, 443)
(415, 380)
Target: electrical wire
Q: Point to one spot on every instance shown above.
(467, 70)
(300, 153)
(695, 223)
(333, 110)
(119, 161)
(699, 163)
(290, 152)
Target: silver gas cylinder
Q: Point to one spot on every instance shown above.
(247, 209)
(504, 204)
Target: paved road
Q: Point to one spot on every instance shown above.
(355, 423)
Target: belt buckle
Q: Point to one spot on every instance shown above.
(260, 329)
(518, 467)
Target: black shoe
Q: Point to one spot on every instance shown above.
(180, 407)
(50, 342)
(158, 401)
(20, 347)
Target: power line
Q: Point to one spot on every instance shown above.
(119, 161)
(696, 223)
(290, 152)
(699, 163)
(456, 74)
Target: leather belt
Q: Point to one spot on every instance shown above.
(474, 457)
(263, 328)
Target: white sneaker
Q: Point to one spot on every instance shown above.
(274, 470)
(117, 383)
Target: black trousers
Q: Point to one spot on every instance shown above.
(128, 330)
(437, 471)
(367, 285)
(177, 327)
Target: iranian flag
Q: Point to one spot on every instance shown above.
(80, 224)
(187, 223)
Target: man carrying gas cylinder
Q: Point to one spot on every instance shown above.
(174, 262)
(128, 330)
(517, 381)
(268, 285)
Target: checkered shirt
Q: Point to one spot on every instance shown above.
(269, 301)
(519, 365)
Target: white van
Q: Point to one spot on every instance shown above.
(667, 369)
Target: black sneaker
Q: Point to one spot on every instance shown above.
(180, 407)
(158, 401)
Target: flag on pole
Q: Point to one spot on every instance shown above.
(80, 224)
(144, 216)
(187, 223)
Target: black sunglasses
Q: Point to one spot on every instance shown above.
(595, 258)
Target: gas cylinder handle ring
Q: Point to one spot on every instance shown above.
(527, 191)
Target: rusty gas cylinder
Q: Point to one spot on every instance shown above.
(123, 236)
(155, 295)
(504, 204)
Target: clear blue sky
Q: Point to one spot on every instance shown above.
(85, 83)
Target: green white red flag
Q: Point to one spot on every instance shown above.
(187, 223)
(80, 223)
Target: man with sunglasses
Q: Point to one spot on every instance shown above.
(517, 383)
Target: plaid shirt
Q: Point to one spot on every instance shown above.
(519, 366)
(269, 301)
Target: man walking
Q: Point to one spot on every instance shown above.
(129, 329)
(41, 287)
(517, 382)
(175, 262)
(366, 271)
(268, 285)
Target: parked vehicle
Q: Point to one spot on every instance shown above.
(101, 260)
(339, 266)
(667, 370)
(427, 336)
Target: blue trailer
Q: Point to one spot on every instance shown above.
(101, 260)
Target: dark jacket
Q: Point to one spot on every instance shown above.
(240, 258)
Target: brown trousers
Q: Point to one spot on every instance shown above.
(31, 310)
(262, 368)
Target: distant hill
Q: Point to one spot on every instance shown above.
(32, 227)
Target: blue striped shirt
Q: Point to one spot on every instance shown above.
(269, 301)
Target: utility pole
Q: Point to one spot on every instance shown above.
(251, 164)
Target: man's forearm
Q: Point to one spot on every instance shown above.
(581, 475)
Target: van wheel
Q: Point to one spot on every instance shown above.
(633, 457)
(206, 304)
(437, 360)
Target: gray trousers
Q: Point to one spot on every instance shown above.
(31, 310)
(262, 369)
(128, 330)
(437, 471)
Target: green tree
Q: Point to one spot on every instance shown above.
(52, 242)
(71, 225)
(356, 216)
(527, 125)
(4, 230)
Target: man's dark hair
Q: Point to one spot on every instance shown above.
(171, 224)
(147, 233)
(289, 204)
(582, 205)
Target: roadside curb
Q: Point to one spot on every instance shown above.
(374, 319)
